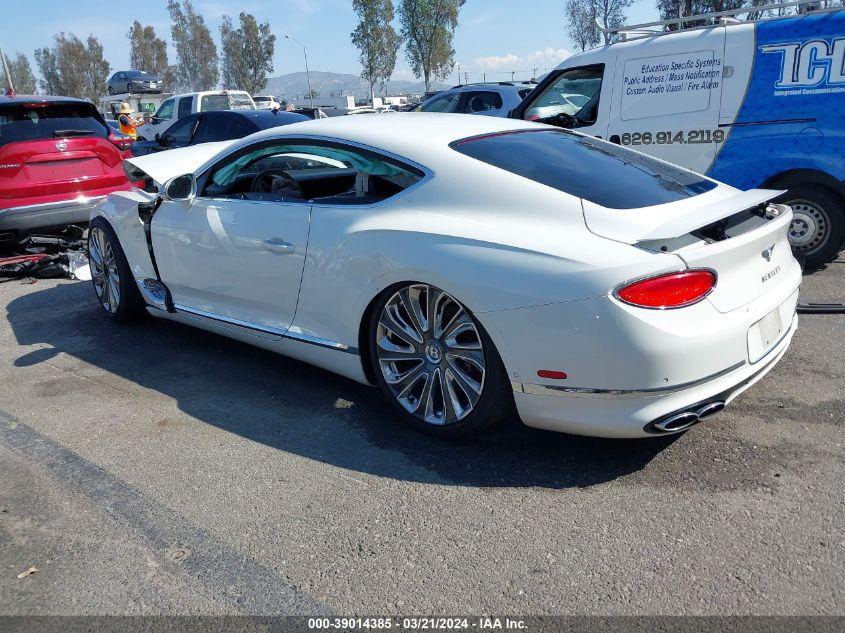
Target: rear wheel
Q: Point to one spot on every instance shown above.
(818, 223)
(113, 283)
(435, 363)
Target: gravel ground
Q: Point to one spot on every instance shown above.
(156, 469)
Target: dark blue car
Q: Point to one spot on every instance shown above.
(223, 125)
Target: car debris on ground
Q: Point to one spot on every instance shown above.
(48, 256)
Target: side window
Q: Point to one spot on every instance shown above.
(166, 110)
(184, 107)
(180, 133)
(575, 93)
(446, 103)
(321, 173)
(220, 128)
(475, 102)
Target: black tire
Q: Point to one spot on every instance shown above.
(818, 226)
(128, 89)
(495, 403)
(129, 305)
(111, 90)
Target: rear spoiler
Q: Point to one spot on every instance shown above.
(670, 221)
(711, 213)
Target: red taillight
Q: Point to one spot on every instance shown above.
(675, 290)
(122, 143)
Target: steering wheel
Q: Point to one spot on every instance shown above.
(561, 119)
(267, 182)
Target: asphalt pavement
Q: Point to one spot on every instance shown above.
(157, 469)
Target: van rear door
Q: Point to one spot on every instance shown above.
(667, 95)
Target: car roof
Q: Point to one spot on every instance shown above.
(414, 135)
(40, 99)
(496, 85)
(262, 118)
(209, 92)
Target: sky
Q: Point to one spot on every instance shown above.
(495, 37)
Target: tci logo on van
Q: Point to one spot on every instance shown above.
(810, 64)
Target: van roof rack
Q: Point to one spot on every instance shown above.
(804, 6)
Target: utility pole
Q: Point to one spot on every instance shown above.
(307, 74)
(6, 72)
(458, 67)
(466, 78)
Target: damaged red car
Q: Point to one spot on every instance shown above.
(58, 158)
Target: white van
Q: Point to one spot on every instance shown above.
(753, 104)
(178, 106)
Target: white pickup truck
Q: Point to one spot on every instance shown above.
(178, 106)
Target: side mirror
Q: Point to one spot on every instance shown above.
(157, 137)
(180, 189)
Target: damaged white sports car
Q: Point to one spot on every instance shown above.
(465, 265)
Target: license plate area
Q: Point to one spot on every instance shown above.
(765, 334)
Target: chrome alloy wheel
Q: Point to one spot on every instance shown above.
(810, 226)
(430, 354)
(104, 270)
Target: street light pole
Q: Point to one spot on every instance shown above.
(307, 74)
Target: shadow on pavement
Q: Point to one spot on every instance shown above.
(303, 410)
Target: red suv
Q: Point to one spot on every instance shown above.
(58, 158)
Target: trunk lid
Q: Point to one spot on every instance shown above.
(741, 236)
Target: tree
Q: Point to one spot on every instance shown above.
(610, 14)
(195, 49)
(73, 68)
(669, 9)
(20, 71)
(147, 51)
(247, 55)
(581, 23)
(428, 28)
(45, 59)
(376, 40)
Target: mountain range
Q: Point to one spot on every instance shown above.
(326, 84)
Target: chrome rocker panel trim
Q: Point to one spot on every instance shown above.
(263, 329)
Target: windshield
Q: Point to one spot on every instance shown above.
(35, 121)
(140, 74)
(597, 171)
(568, 94)
(231, 101)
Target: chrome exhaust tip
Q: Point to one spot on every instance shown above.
(710, 409)
(686, 419)
(677, 422)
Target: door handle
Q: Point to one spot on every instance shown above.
(278, 246)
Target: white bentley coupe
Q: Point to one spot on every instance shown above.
(470, 267)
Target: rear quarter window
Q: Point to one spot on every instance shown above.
(603, 173)
(38, 121)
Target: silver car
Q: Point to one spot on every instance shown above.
(487, 99)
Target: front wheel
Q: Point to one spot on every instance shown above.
(435, 363)
(113, 283)
(818, 223)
